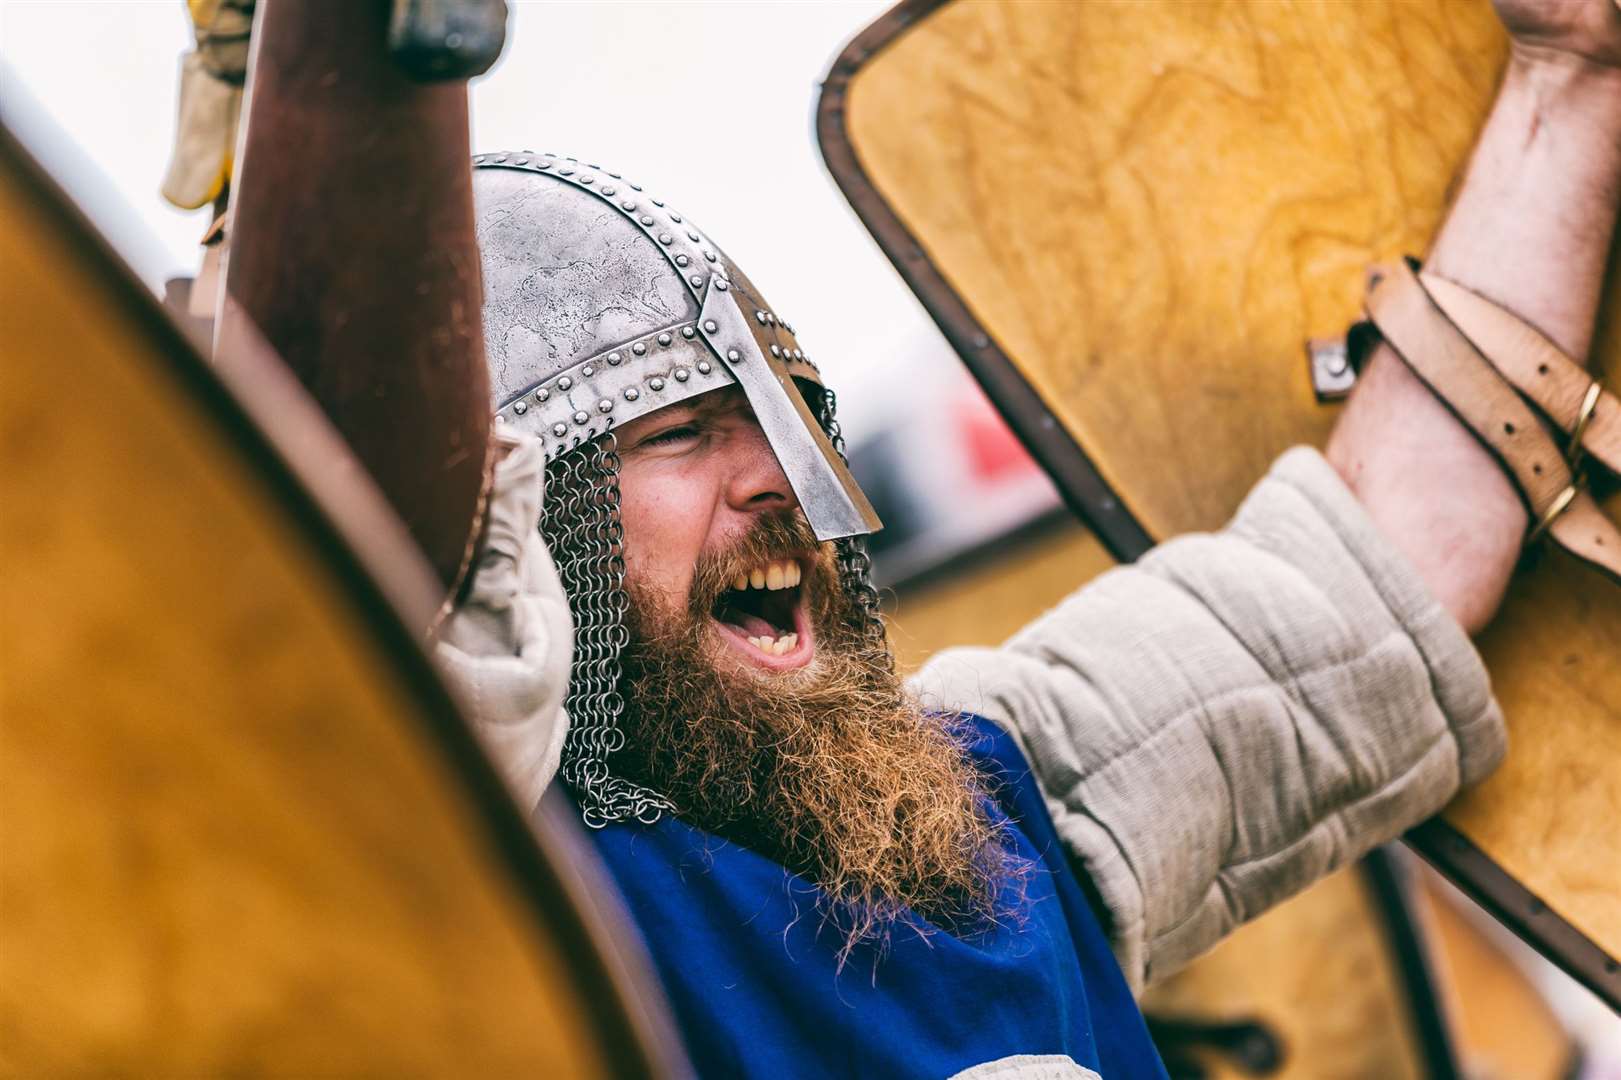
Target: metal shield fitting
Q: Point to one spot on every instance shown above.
(602, 304)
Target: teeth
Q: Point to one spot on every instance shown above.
(782, 574)
(776, 647)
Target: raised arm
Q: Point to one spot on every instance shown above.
(1530, 230)
(1236, 715)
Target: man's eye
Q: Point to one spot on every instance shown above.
(670, 435)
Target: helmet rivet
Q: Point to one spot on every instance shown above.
(759, 317)
(665, 339)
(697, 281)
(666, 239)
(631, 393)
(520, 408)
(682, 260)
(688, 332)
(798, 355)
(585, 179)
(734, 356)
(770, 319)
(606, 405)
(639, 349)
(581, 417)
(564, 383)
(705, 367)
(609, 189)
(776, 352)
(709, 324)
(566, 170)
(613, 359)
(720, 283)
(543, 164)
(658, 202)
(635, 187)
(655, 383)
(520, 161)
(559, 429)
(587, 371)
(629, 204)
(646, 220)
(675, 217)
(692, 236)
(681, 374)
(500, 158)
(542, 394)
(710, 255)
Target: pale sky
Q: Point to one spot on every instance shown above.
(617, 83)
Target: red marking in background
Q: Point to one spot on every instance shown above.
(995, 455)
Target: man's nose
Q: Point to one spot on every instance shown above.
(757, 482)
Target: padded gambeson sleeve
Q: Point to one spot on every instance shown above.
(1237, 714)
(508, 645)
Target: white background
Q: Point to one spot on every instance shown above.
(627, 85)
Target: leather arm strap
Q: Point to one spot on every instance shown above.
(1538, 368)
(1447, 362)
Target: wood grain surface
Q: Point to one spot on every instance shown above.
(231, 845)
(1151, 206)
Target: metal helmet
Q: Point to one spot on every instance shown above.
(602, 304)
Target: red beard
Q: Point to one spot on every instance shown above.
(832, 770)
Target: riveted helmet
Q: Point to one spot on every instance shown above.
(602, 304)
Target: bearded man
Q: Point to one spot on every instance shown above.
(837, 873)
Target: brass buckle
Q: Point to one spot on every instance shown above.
(1560, 504)
(1574, 452)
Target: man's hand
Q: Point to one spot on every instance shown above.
(1586, 30)
(1531, 230)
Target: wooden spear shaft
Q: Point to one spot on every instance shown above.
(353, 251)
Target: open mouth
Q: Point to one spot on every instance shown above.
(763, 616)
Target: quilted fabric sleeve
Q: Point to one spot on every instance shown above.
(1236, 714)
(508, 646)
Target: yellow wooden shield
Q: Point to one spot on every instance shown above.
(243, 829)
(1129, 217)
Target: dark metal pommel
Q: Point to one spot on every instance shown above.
(446, 39)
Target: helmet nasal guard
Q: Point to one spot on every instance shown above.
(602, 304)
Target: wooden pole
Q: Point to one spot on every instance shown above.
(353, 252)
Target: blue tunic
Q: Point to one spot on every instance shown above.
(752, 974)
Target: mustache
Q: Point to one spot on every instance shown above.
(781, 534)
